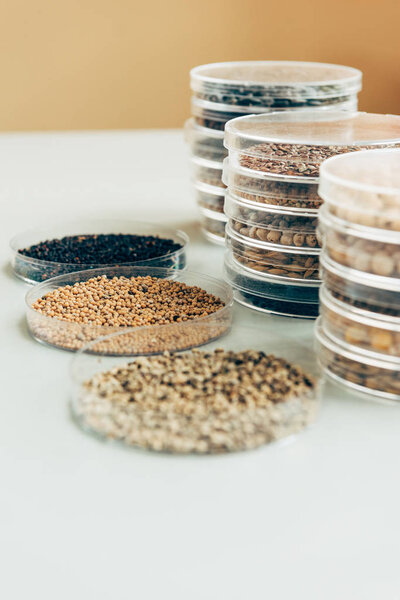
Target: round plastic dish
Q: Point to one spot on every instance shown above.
(367, 249)
(205, 143)
(207, 171)
(93, 413)
(364, 188)
(209, 197)
(142, 340)
(283, 192)
(32, 270)
(283, 84)
(366, 331)
(271, 225)
(286, 263)
(357, 372)
(213, 116)
(359, 289)
(295, 143)
(213, 226)
(268, 295)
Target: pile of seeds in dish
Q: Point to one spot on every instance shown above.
(199, 402)
(127, 302)
(293, 159)
(73, 315)
(101, 249)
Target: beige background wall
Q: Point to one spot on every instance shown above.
(84, 64)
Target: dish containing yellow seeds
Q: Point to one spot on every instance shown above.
(166, 310)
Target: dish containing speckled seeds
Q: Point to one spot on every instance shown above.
(166, 310)
(295, 143)
(62, 248)
(207, 172)
(201, 402)
(288, 263)
(271, 225)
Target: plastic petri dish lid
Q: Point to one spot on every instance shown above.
(32, 270)
(360, 289)
(271, 225)
(268, 286)
(295, 143)
(213, 225)
(357, 372)
(207, 172)
(364, 187)
(374, 251)
(284, 262)
(209, 197)
(261, 188)
(146, 426)
(368, 332)
(277, 79)
(152, 339)
(204, 142)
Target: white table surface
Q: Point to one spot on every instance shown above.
(316, 519)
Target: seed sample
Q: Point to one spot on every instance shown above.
(362, 329)
(285, 308)
(264, 258)
(72, 315)
(199, 402)
(355, 370)
(40, 255)
(292, 159)
(103, 249)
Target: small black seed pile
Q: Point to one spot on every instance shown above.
(102, 249)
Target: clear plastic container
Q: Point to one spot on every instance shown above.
(32, 270)
(209, 197)
(366, 331)
(275, 84)
(367, 249)
(286, 263)
(100, 418)
(363, 188)
(213, 226)
(359, 289)
(271, 225)
(283, 192)
(142, 340)
(357, 372)
(268, 288)
(204, 142)
(207, 171)
(295, 143)
(213, 116)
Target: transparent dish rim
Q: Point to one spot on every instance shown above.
(246, 241)
(348, 351)
(142, 271)
(326, 176)
(391, 284)
(196, 74)
(331, 115)
(46, 263)
(373, 234)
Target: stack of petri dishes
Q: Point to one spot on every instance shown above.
(224, 91)
(358, 332)
(272, 200)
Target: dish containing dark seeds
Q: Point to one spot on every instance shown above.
(198, 402)
(42, 254)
